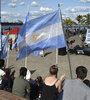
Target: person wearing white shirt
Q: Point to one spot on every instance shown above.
(2, 73)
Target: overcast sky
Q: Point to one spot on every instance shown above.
(14, 10)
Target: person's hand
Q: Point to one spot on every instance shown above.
(62, 77)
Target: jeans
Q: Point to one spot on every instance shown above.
(5, 83)
(60, 95)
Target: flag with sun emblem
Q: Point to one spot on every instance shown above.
(41, 33)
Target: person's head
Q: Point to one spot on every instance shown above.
(81, 72)
(39, 79)
(2, 63)
(23, 71)
(53, 70)
(87, 82)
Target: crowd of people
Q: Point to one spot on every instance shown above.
(51, 88)
(71, 32)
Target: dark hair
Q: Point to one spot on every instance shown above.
(53, 70)
(1, 63)
(23, 71)
(39, 79)
(81, 72)
(87, 82)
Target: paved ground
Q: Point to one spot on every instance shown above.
(40, 65)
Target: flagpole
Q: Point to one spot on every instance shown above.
(26, 61)
(7, 60)
(67, 45)
(1, 39)
(56, 53)
(1, 46)
(8, 54)
(56, 56)
(25, 39)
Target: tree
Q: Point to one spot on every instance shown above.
(79, 19)
(87, 19)
(69, 22)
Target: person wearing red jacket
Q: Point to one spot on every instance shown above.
(10, 43)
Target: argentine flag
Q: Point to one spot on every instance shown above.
(0, 45)
(6, 46)
(0, 38)
(88, 36)
(15, 45)
(0, 41)
(41, 33)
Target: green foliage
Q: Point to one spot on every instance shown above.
(87, 19)
(79, 18)
(83, 19)
(69, 22)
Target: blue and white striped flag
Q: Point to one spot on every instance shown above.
(0, 38)
(0, 45)
(26, 19)
(5, 46)
(41, 33)
(0, 41)
(88, 36)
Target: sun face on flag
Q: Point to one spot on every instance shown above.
(35, 37)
